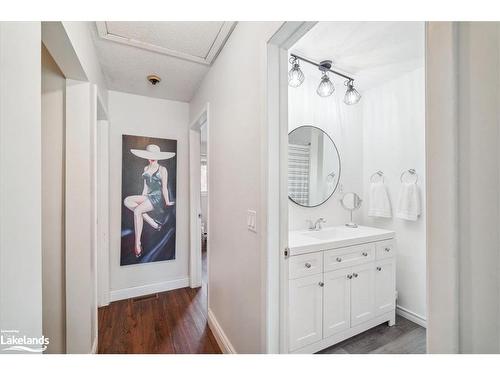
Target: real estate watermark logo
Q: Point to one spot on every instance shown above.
(12, 340)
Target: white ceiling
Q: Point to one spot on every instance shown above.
(179, 52)
(372, 52)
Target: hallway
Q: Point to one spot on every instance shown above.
(173, 322)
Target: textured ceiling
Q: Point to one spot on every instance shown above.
(372, 52)
(179, 52)
(192, 38)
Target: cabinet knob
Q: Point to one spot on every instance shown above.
(355, 275)
(321, 283)
(365, 254)
(308, 265)
(349, 276)
(379, 268)
(339, 259)
(387, 249)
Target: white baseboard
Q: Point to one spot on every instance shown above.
(224, 343)
(411, 316)
(116, 295)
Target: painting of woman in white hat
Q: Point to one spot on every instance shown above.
(149, 206)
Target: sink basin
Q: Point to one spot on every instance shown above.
(325, 234)
(305, 241)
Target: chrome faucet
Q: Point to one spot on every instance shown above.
(317, 224)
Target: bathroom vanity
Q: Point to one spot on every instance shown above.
(339, 282)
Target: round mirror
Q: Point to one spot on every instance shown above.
(313, 166)
(351, 202)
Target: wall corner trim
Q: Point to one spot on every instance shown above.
(136, 291)
(220, 336)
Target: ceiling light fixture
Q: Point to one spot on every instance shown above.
(352, 96)
(325, 87)
(295, 75)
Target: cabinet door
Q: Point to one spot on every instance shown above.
(336, 302)
(305, 311)
(385, 286)
(362, 294)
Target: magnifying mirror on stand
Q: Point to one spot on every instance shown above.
(351, 202)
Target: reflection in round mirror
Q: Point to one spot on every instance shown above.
(313, 166)
(351, 202)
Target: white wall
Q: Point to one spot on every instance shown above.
(442, 203)
(53, 129)
(20, 178)
(478, 186)
(394, 141)
(235, 87)
(79, 34)
(139, 115)
(344, 125)
(81, 299)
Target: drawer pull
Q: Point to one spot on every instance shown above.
(308, 265)
(379, 268)
(365, 254)
(339, 259)
(355, 275)
(349, 276)
(321, 283)
(387, 249)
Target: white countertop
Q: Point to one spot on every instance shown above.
(307, 241)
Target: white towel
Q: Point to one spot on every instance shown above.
(380, 205)
(409, 202)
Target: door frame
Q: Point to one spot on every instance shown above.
(441, 142)
(102, 209)
(195, 275)
(276, 206)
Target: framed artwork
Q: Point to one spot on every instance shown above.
(149, 170)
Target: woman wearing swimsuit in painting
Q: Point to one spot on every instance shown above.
(154, 197)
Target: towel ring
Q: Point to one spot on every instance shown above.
(411, 171)
(380, 174)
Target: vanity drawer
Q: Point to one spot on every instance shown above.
(348, 256)
(305, 265)
(385, 249)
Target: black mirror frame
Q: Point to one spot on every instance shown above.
(340, 165)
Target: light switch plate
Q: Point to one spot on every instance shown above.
(252, 221)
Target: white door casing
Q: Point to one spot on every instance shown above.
(194, 198)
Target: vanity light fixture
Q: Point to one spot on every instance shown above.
(325, 87)
(295, 75)
(352, 96)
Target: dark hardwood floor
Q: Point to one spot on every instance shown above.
(173, 322)
(405, 337)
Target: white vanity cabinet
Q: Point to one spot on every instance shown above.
(336, 293)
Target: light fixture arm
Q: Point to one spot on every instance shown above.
(319, 65)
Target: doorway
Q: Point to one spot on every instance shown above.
(354, 178)
(199, 202)
(203, 204)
